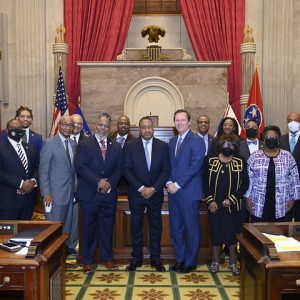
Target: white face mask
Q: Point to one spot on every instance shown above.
(294, 126)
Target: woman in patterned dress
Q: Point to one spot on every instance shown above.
(274, 180)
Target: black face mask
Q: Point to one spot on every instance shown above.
(272, 143)
(16, 134)
(251, 132)
(227, 151)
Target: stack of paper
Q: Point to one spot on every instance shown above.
(284, 243)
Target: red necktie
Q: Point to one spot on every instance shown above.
(103, 149)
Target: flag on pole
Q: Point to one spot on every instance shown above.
(254, 109)
(61, 103)
(86, 129)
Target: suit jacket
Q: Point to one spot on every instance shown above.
(123, 184)
(57, 176)
(244, 149)
(285, 145)
(91, 167)
(186, 166)
(136, 171)
(12, 172)
(34, 138)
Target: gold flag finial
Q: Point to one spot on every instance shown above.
(248, 35)
(60, 37)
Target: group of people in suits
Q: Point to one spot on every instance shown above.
(90, 172)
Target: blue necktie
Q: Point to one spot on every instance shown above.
(178, 145)
(147, 154)
(252, 142)
(293, 142)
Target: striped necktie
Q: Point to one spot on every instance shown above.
(22, 157)
(178, 145)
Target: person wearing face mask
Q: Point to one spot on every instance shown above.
(18, 167)
(274, 180)
(225, 181)
(251, 143)
(25, 116)
(291, 143)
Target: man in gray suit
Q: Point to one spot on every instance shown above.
(57, 176)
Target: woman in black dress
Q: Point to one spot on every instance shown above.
(225, 182)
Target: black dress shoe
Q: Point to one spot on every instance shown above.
(177, 267)
(187, 269)
(159, 267)
(134, 265)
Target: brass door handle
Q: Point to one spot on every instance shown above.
(6, 280)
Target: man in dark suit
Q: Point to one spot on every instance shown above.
(98, 163)
(184, 185)
(246, 148)
(76, 136)
(18, 166)
(251, 143)
(25, 116)
(146, 168)
(122, 135)
(291, 143)
(203, 123)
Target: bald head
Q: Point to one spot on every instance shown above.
(66, 126)
(123, 125)
(78, 124)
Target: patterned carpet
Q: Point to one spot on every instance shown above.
(147, 284)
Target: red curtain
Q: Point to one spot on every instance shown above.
(95, 31)
(215, 28)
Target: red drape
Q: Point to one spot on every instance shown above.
(215, 28)
(95, 31)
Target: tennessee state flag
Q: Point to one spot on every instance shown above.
(254, 109)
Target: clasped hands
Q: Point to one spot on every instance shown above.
(147, 192)
(172, 188)
(27, 186)
(213, 206)
(103, 186)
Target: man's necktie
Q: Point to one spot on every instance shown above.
(24, 138)
(103, 149)
(178, 145)
(22, 158)
(121, 140)
(293, 142)
(147, 154)
(67, 151)
(75, 140)
(252, 142)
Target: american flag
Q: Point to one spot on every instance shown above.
(61, 103)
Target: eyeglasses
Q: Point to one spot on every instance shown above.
(66, 125)
(203, 122)
(78, 123)
(103, 125)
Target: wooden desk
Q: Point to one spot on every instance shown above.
(41, 277)
(265, 274)
(122, 243)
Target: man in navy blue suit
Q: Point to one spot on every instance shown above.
(146, 168)
(184, 185)
(25, 116)
(18, 166)
(98, 163)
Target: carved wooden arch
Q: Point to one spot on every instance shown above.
(153, 96)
